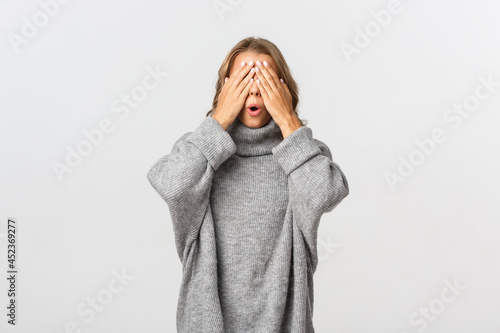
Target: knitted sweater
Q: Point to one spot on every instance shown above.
(245, 206)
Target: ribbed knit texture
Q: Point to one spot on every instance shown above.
(245, 207)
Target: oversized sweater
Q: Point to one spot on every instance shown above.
(245, 205)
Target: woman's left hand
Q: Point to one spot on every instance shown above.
(277, 97)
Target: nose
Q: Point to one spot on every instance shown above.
(254, 90)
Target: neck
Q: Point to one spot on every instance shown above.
(255, 141)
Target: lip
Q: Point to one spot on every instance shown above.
(256, 112)
(254, 104)
(253, 113)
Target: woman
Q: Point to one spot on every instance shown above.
(246, 191)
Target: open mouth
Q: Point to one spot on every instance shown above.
(253, 107)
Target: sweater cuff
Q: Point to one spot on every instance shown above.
(298, 147)
(213, 141)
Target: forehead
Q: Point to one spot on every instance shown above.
(252, 56)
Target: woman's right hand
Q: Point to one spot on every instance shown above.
(234, 94)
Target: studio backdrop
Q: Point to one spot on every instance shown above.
(405, 93)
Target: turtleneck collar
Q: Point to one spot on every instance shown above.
(255, 141)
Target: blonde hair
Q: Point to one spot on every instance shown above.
(259, 46)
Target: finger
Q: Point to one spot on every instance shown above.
(262, 81)
(283, 84)
(233, 78)
(245, 91)
(246, 84)
(262, 89)
(246, 79)
(226, 85)
(273, 73)
(267, 82)
(270, 76)
(245, 68)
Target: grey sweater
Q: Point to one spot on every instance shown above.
(245, 206)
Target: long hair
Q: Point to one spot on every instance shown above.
(259, 46)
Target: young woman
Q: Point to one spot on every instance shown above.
(246, 191)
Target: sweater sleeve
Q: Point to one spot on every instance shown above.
(316, 183)
(183, 178)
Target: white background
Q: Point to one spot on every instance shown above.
(386, 253)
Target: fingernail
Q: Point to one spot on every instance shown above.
(282, 80)
(253, 68)
(225, 80)
(259, 63)
(242, 63)
(251, 80)
(265, 63)
(250, 63)
(258, 81)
